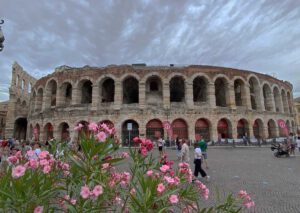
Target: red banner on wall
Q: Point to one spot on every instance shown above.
(282, 125)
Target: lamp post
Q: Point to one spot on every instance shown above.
(1, 37)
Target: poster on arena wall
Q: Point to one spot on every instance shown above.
(282, 125)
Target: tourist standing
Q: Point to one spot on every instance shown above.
(160, 146)
(197, 162)
(203, 147)
(185, 152)
(178, 148)
(298, 143)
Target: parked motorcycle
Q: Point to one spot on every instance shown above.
(280, 149)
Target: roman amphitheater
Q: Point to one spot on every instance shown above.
(215, 102)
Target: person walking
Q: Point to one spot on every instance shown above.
(185, 152)
(198, 162)
(203, 147)
(178, 148)
(160, 146)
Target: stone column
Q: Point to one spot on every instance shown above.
(281, 107)
(251, 132)
(56, 133)
(46, 100)
(191, 132)
(211, 95)
(234, 129)
(75, 95)
(59, 97)
(166, 95)
(247, 98)
(230, 96)
(95, 96)
(189, 95)
(118, 95)
(142, 95)
(214, 131)
(272, 100)
(261, 104)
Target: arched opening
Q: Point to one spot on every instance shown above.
(258, 129)
(272, 129)
(267, 97)
(51, 90)
(221, 91)
(20, 128)
(30, 132)
(66, 90)
(277, 100)
(64, 132)
(254, 93)
(48, 132)
(108, 91)
(202, 128)
(239, 92)
(284, 101)
(86, 92)
(242, 128)
(154, 93)
(39, 100)
(130, 130)
(130, 91)
(108, 123)
(200, 89)
(180, 129)
(224, 129)
(177, 89)
(36, 133)
(154, 129)
(289, 102)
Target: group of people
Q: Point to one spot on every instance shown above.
(183, 154)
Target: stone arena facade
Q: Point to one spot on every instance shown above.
(215, 102)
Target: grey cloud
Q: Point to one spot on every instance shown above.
(257, 35)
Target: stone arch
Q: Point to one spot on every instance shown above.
(200, 89)
(242, 128)
(50, 93)
(48, 131)
(20, 128)
(180, 128)
(267, 95)
(85, 86)
(290, 101)
(23, 104)
(36, 132)
(154, 90)
(33, 101)
(258, 128)
(284, 101)
(154, 129)
(39, 100)
(149, 75)
(272, 129)
(127, 136)
(240, 92)
(177, 89)
(130, 86)
(255, 94)
(107, 90)
(222, 91)
(200, 75)
(66, 92)
(129, 75)
(174, 74)
(224, 128)
(64, 132)
(277, 99)
(109, 123)
(203, 129)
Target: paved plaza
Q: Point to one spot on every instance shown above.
(273, 183)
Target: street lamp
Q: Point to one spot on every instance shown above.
(1, 37)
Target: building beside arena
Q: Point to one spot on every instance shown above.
(215, 102)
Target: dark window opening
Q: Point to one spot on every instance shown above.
(108, 91)
(177, 89)
(199, 90)
(130, 91)
(238, 93)
(153, 86)
(220, 92)
(87, 90)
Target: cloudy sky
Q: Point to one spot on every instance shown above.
(258, 35)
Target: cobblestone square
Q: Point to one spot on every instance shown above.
(273, 183)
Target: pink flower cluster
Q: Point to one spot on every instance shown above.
(185, 169)
(172, 181)
(203, 189)
(173, 199)
(119, 178)
(146, 145)
(38, 209)
(87, 193)
(247, 201)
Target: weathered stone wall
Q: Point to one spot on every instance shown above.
(3, 113)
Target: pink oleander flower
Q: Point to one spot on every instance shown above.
(173, 199)
(242, 194)
(38, 209)
(66, 173)
(249, 204)
(118, 200)
(132, 191)
(125, 155)
(43, 154)
(12, 159)
(18, 154)
(79, 127)
(66, 166)
(67, 197)
(137, 140)
(85, 192)
(34, 164)
(18, 171)
(149, 173)
(46, 169)
(169, 180)
(105, 166)
(73, 201)
(164, 168)
(101, 136)
(30, 153)
(160, 188)
(98, 190)
(93, 127)
(143, 151)
(44, 162)
(203, 189)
